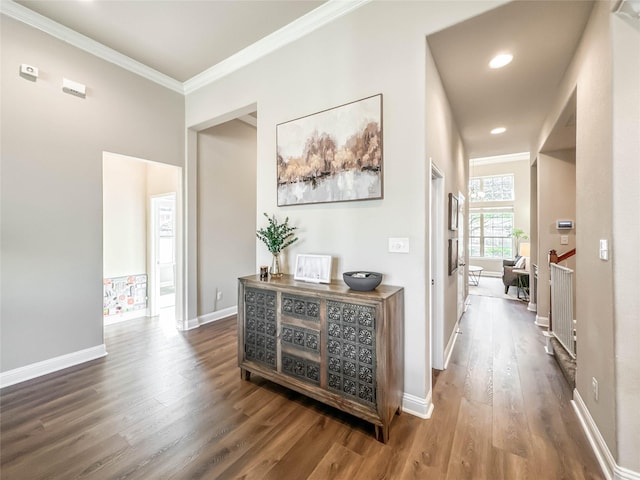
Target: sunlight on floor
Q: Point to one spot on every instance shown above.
(167, 321)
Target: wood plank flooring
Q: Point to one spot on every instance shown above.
(170, 405)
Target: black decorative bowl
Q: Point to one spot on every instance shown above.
(362, 281)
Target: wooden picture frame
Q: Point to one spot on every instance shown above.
(453, 212)
(331, 156)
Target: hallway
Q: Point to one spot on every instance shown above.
(511, 405)
(167, 404)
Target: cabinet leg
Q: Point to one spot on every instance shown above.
(245, 374)
(382, 433)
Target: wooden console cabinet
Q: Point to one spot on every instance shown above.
(326, 341)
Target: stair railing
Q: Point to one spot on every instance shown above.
(560, 302)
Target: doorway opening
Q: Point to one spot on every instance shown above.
(162, 242)
(142, 239)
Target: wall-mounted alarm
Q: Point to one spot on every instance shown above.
(74, 88)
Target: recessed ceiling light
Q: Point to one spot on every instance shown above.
(501, 60)
(498, 130)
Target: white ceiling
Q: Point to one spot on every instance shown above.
(178, 38)
(182, 39)
(542, 36)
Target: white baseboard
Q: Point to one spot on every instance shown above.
(218, 315)
(532, 307)
(548, 348)
(542, 321)
(22, 374)
(452, 342)
(191, 323)
(417, 406)
(621, 473)
(611, 470)
(123, 317)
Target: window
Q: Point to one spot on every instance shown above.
(490, 232)
(497, 188)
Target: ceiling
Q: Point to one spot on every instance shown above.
(542, 36)
(182, 39)
(178, 38)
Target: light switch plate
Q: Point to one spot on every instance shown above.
(564, 239)
(604, 249)
(399, 245)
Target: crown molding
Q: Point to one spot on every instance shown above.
(511, 157)
(40, 22)
(325, 13)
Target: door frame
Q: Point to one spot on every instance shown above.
(180, 235)
(461, 300)
(154, 287)
(436, 267)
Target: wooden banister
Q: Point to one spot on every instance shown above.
(555, 258)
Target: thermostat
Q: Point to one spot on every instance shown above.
(564, 224)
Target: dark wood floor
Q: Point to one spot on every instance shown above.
(167, 405)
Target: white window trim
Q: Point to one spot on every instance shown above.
(481, 210)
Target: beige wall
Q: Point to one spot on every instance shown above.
(51, 186)
(625, 240)
(594, 208)
(226, 212)
(533, 236)
(446, 151)
(521, 203)
(606, 73)
(556, 200)
(328, 68)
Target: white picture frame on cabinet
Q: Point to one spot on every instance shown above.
(313, 268)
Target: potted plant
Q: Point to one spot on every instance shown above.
(277, 237)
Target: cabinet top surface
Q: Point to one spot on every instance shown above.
(335, 287)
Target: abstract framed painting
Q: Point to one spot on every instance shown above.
(331, 156)
(453, 255)
(453, 212)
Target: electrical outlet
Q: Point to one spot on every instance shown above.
(219, 296)
(594, 387)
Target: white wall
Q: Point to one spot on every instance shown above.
(379, 48)
(606, 187)
(161, 179)
(125, 216)
(626, 236)
(51, 186)
(226, 212)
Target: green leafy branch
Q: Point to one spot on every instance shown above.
(519, 234)
(277, 236)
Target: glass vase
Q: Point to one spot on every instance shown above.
(276, 269)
